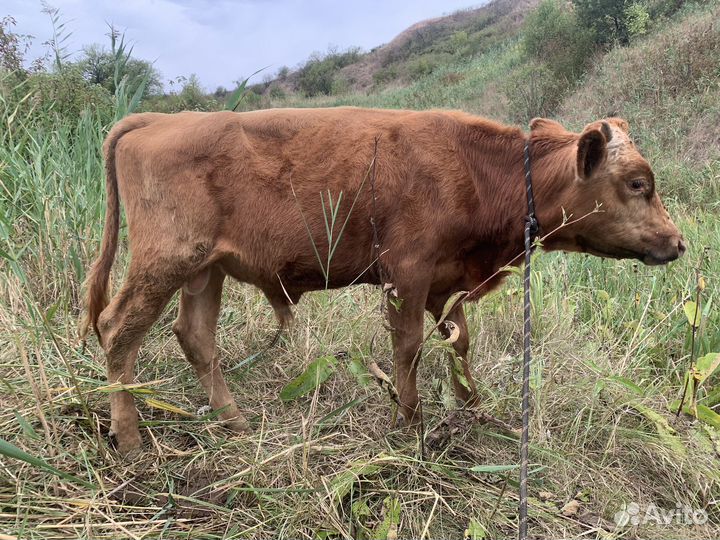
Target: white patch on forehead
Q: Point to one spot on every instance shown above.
(619, 144)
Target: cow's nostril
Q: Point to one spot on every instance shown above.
(681, 247)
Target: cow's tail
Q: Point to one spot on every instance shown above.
(97, 280)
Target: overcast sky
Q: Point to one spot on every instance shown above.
(223, 40)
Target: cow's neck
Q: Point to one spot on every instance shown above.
(554, 172)
(496, 166)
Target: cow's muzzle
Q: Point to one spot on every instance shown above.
(675, 250)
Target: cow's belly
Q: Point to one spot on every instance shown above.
(293, 278)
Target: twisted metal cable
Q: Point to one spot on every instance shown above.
(531, 229)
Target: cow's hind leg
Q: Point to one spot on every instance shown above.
(122, 326)
(195, 329)
(463, 383)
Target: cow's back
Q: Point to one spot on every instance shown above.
(262, 189)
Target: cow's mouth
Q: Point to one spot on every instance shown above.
(610, 253)
(652, 260)
(648, 257)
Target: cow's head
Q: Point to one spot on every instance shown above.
(609, 170)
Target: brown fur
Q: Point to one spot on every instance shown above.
(214, 194)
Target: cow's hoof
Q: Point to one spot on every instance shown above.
(128, 445)
(237, 424)
(401, 422)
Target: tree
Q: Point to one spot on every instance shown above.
(610, 20)
(98, 67)
(12, 46)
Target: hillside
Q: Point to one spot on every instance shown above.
(430, 43)
(417, 51)
(615, 343)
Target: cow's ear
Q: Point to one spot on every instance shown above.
(620, 123)
(542, 124)
(592, 151)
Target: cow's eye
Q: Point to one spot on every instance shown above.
(638, 184)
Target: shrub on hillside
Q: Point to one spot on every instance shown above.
(533, 90)
(317, 75)
(558, 49)
(421, 67)
(618, 21)
(385, 75)
(553, 35)
(424, 65)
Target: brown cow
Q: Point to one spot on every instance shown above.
(215, 194)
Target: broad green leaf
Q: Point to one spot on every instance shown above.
(239, 93)
(704, 413)
(342, 484)
(359, 371)
(314, 375)
(475, 531)
(707, 415)
(360, 510)
(137, 96)
(391, 507)
(692, 312)
(396, 303)
(12, 451)
(666, 433)
(627, 383)
(459, 371)
(706, 366)
(511, 269)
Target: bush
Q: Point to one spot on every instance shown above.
(385, 75)
(533, 90)
(317, 75)
(426, 64)
(340, 85)
(559, 50)
(61, 97)
(617, 21)
(553, 35)
(420, 67)
(191, 97)
(276, 92)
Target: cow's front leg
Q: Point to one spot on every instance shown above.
(405, 314)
